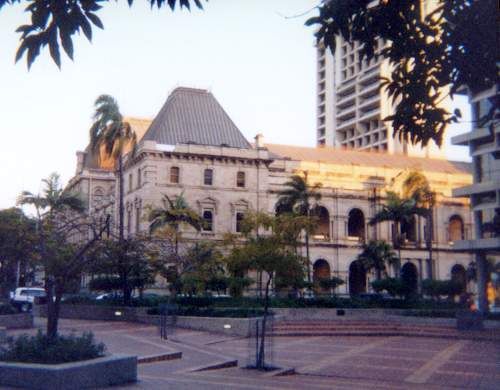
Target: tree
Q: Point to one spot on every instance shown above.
(174, 213)
(431, 54)
(206, 269)
(417, 187)
(397, 210)
(17, 238)
(375, 255)
(297, 198)
(111, 134)
(62, 241)
(124, 266)
(266, 254)
(53, 24)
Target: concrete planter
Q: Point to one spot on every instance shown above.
(16, 321)
(100, 372)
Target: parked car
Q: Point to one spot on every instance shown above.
(23, 298)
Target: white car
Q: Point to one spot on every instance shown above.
(23, 298)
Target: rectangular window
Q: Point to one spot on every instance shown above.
(130, 182)
(137, 220)
(240, 179)
(139, 178)
(129, 221)
(239, 220)
(208, 220)
(174, 175)
(208, 177)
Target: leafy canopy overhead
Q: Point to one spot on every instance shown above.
(54, 22)
(432, 54)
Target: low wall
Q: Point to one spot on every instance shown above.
(320, 314)
(100, 372)
(16, 321)
(98, 313)
(231, 326)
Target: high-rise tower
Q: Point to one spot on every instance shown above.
(351, 104)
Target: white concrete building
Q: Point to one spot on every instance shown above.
(484, 192)
(351, 105)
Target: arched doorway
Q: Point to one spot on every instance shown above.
(321, 270)
(356, 224)
(409, 276)
(357, 278)
(459, 275)
(456, 228)
(322, 230)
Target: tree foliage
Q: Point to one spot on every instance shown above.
(64, 235)
(17, 254)
(432, 53)
(55, 22)
(124, 266)
(377, 254)
(301, 198)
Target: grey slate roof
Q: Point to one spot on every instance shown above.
(194, 116)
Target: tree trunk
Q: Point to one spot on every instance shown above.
(308, 259)
(430, 234)
(52, 309)
(120, 199)
(261, 363)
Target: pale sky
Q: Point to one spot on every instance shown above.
(259, 64)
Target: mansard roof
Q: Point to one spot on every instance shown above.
(194, 116)
(366, 158)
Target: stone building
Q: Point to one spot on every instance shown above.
(193, 147)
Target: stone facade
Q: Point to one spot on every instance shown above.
(354, 186)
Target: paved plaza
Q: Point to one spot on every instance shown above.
(319, 362)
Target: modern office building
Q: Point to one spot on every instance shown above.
(351, 104)
(484, 193)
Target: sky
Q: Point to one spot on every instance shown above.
(256, 57)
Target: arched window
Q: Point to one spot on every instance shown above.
(174, 175)
(282, 209)
(208, 177)
(456, 228)
(356, 224)
(240, 179)
(409, 230)
(239, 220)
(208, 219)
(322, 230)
(409, 276)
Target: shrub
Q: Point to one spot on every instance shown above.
(6, 308)
(330, 283)
(394, 287)
(40, 349)
(194, 311)
(437, 288)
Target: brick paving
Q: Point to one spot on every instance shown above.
(320, 362)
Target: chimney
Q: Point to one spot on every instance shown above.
(259, 141)
(80, 158)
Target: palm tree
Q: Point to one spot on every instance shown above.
(52, 208)
(376, 254)
(173, 214)
(110, 133)
(417, 187)
(397, 210)
(297, 198)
